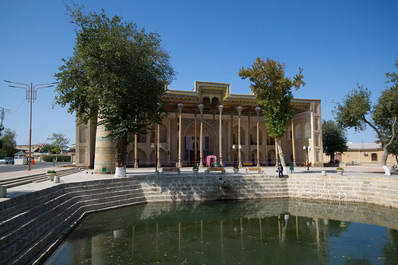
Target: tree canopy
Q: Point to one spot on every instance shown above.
(58, 142)
(7, 143)
(118, 72)
(334, 138)
(357, 111)
(274, 94)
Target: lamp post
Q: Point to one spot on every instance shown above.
(258, 136)
(306, 150)
(180, 106)
(156, 146)
(153, 146)
(31, 95)
(239, 108)
(220, 137)
(201, 106)
(236, 148)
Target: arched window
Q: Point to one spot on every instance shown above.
(374, 157)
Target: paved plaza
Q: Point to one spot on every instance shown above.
(87, 175)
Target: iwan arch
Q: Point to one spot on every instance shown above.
(208, 129)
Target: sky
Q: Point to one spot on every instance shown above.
(337, 43)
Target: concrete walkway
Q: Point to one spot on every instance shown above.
(87, 175)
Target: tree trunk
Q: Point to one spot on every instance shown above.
(281, 156)
(121, 155)
(332, 157)
(384, 157)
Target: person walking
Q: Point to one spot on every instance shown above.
(280, 170)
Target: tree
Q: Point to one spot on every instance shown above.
(8, 143)
(334, 138)
(274, 94)
(58, 143)
(357, 111)
(47, 148)
(393, 148)
(117, 71)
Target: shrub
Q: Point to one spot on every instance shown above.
(51, 171)
(59, 158)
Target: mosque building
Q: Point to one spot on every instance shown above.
(206, 122)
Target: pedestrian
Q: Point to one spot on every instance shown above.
(280, 170)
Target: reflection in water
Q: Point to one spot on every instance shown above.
(281, 231)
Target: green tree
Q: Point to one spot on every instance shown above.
(8, 143)
(58, 143)
(357, 111)
(334, 138)
(117, 71)
(393, 148)
(274, 94)
(47, 148)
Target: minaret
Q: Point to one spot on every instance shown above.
(105, 151)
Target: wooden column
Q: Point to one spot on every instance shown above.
(248, 139)
(293, 146)
(135, 151)
(158, 145)
(180, 106)
(220, 136)
(276, 153)
(258, 143)
(239, 143)
(200, 106)
(195, 147)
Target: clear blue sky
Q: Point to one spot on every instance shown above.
(338, 43)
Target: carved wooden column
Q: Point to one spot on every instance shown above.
(239, 108)
(200, 106)
(135, 151)
(220, 135)
(180, 106)
(258, 136)
(293, 146)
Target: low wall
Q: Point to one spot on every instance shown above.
(374, 190)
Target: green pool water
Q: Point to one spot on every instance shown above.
(282, 231)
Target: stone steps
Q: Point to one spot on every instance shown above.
(14, 182)
(30, 227)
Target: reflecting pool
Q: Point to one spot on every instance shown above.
(280, 231)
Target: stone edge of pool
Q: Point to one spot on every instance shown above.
(33, 224)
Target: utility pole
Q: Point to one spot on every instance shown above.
(3, 114)
(31, 96)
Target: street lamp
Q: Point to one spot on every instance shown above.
(236, 147)
(31, 95)
(156, 146)
(306, 150)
